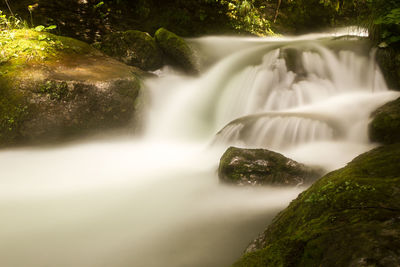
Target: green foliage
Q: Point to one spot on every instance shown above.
(246, 17)
(384, 22)
(390, 22)
(42, 28)
(23, 45)
(9, 22)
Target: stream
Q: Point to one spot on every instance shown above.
(155, 199)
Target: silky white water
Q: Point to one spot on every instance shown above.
(155, 200)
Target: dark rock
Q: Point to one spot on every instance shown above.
(385, 126)
(349, 217)
(389, 61)
(263, 167)
(134, 48)
(177, 50)
(60, 88)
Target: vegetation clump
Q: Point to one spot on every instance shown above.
(350, 217)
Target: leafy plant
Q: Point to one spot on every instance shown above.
(389, 22)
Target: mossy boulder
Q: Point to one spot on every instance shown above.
(176, 50)
(263, 167)
(350, 217)
(134, 48)
(53, 88)
(385, 125)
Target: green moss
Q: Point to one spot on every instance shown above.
(14, 110)
(24, 47)
(176, 49)
(349, 216)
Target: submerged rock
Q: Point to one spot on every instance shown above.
(176, 50)
(263, 167)
(134, 48)
(350, 217)
(59, 87)
(385, 126)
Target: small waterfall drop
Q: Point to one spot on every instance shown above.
(155, 200)
(280, 95)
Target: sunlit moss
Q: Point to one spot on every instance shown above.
(20, 47)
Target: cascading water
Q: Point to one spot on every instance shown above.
(156, 200)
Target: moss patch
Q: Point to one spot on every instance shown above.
(350, 217)
(176, 49)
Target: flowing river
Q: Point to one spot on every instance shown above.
(155, 200)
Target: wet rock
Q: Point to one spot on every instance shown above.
(385, 126)
(134, 48)
(349, 217)
(176, 50)
(263, 167)
(388, 60)
(64, 89)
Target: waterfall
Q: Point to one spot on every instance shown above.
(155, 200)
(276, 94)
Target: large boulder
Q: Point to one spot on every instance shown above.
(53, 88)
(134, 48)
(176, 50)
(263, 167)
(385, 125)
(350, 217)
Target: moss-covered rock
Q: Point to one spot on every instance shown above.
(389, 61)
(176, 50)
(350, 217)
(52, 88)
(263, 167)
(134, 48)
(385, 126)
